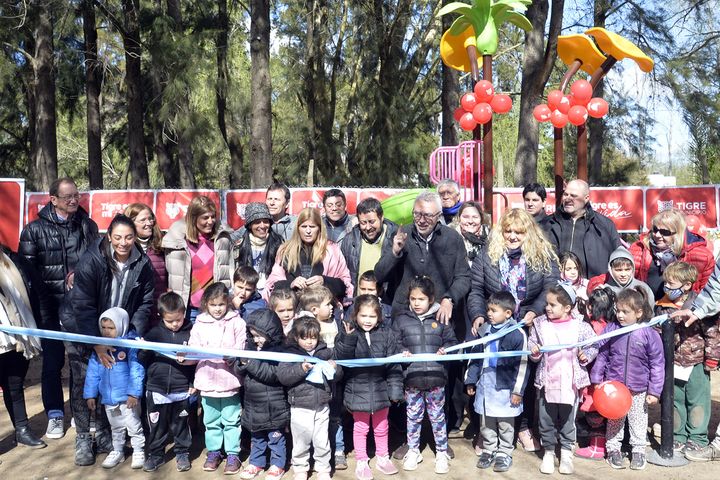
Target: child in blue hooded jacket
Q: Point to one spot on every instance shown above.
(119, 388)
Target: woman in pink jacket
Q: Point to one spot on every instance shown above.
(308, 259)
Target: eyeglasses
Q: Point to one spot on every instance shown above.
(425, 216)
(662, 231)
(67, 198)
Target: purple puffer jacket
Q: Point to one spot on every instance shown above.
(157, 260)
(635, 359)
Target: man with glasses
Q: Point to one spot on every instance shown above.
(449, 192)
(53, 244)
(338, 221)
(577, 228)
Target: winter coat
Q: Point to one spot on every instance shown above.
(301, 393)
(636, 359)
(242, 250)
(512, 373)
(336, 234)
(213, 377)
(707, 302)
(178, 260)
(165, 375)
(254, 303)
(352, 245)
(599, 238)
(442, 259)
(333, 267)
(157, 260)
(266, 407)
(369, 389)
(486, 281)
(581, 379)
(42, 243)
(694, 252)
(609, 280)
(92, 291)
(285, 226)
(423, 334)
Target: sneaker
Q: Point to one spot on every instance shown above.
(678, 447)
(442, 462)
(274, 473)
(502, 463)
(113, 459)
(232, 464)
(566, 462)
(55, 428)
(213, 461)
(251, 471)
(138, 460)
(411, 460)
(323, 476)
(152, 463)
(615, 459)
(182, 462)
(400, 453)
(362, 470)
(450, 452)
(691, 446)
(706, 454)
(486, 460)
(528, 441)
(637, 461)
(300, 476)
(340, 461)
(547, 466)
(385, 465)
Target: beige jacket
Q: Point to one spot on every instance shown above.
(178, 260)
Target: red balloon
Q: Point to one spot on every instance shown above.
(467, 122)
(582, 91)
(468, 102)
(577, 115)
(501, 103)
(554, 99)
(558, 119)
(564, 104)
(482, 113)
(484, 91)
(612, 400)
(458, 113)
(597, 107)
(542, 113)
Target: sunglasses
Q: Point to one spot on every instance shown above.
(662, 231)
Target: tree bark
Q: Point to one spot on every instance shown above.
(538, 61)
(137, 165)
(261, 111)
(596, 126)
(93, 83)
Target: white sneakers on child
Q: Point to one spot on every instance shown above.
(138, 459)
(411, 460)
(442, 462)
(548, 463)
(113, 459)
(566, 462)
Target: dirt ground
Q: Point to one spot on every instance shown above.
(56, 461)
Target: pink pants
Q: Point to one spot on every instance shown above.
(361, 429)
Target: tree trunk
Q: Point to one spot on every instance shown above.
(137, 163)
(450, 94)
(538, 61)
(261, 112)
(45, 151)
(596, 126)
(93, 83)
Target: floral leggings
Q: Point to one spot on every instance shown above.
(417, 401)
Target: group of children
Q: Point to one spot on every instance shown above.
(302, 401)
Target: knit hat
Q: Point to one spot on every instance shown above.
(256, 211)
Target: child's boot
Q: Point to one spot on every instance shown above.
(594, 451)
(84, 455)
(548, 463)
(566, 462)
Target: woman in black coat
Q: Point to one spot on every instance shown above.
(259, 244)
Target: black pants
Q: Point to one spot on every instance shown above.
(53, 360)
(78, 358)
(528, 418)
(13, 368)
(164, 419)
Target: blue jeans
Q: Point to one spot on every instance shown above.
(52, 364)
(191, 314)
(261, 441)
(337, 410)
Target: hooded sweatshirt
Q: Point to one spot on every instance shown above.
(609, 279)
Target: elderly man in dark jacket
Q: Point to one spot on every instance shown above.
(53, 244)
(579, 229)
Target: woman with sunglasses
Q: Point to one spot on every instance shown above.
(668, 241)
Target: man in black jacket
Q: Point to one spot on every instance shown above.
(53, 244)
(581, 230)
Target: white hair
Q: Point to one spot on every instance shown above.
(450, 182)
(429, 197)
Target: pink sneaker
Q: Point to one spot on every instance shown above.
(274, 473)
(385, 465)
(362, 470)
(528, 441)
(594, 451)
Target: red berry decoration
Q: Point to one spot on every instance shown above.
(467, 122)
(468, 102)
(501, 103)
(542, 113)
(577, 115)
(558, 119)
(582, 91)
(554, 99)
(484, 91)
(482, 113)
(458, 113)
(597, 107)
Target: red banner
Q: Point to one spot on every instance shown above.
(235, 203)
(377, 193)
(699, 202)
(171, 205)
(624, 206)
(35, 201)
(11, 199)
(312, 197)
(105, 204)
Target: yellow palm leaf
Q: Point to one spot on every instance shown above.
(580, 47)
(620, 48)
(453, 49)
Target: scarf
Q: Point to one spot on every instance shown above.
(513, 274)
(15, 310)
(258, 242)
(473, 244)
(452, 210)
(662, 256)
(144, 243)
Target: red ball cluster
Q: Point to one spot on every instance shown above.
(574, 108)
(477, 107)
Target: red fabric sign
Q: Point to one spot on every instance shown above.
(105, 204)
(699, 202)
(35, 201)
(171, 205)
(235, 203)
(11, 199)
(624, 206)
(312, 197)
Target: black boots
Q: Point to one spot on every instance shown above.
(24, 436)
(84, 454)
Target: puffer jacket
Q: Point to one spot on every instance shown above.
(369, 389)
(352, 244)
(266, 407)
(698, 343)
(92, 292)
(165, 375)
(301, 393)
(694, 252)
(707, 302)
(213, 377)
(336, 234)
(609, 280)
(486, 280)
(178, 260)
(42, 243)
(423, 334)
(636, 359)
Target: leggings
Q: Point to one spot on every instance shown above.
(417, 401)
(13, 368)
(361, 428)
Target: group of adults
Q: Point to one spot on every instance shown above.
(81, 273)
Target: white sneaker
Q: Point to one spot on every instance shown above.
(442, 462)
(411, 460)
(566, 462)
(138, 459)
(113, 459)
(548, 463)
(55, 428)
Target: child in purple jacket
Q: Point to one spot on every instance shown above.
(635, 359)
